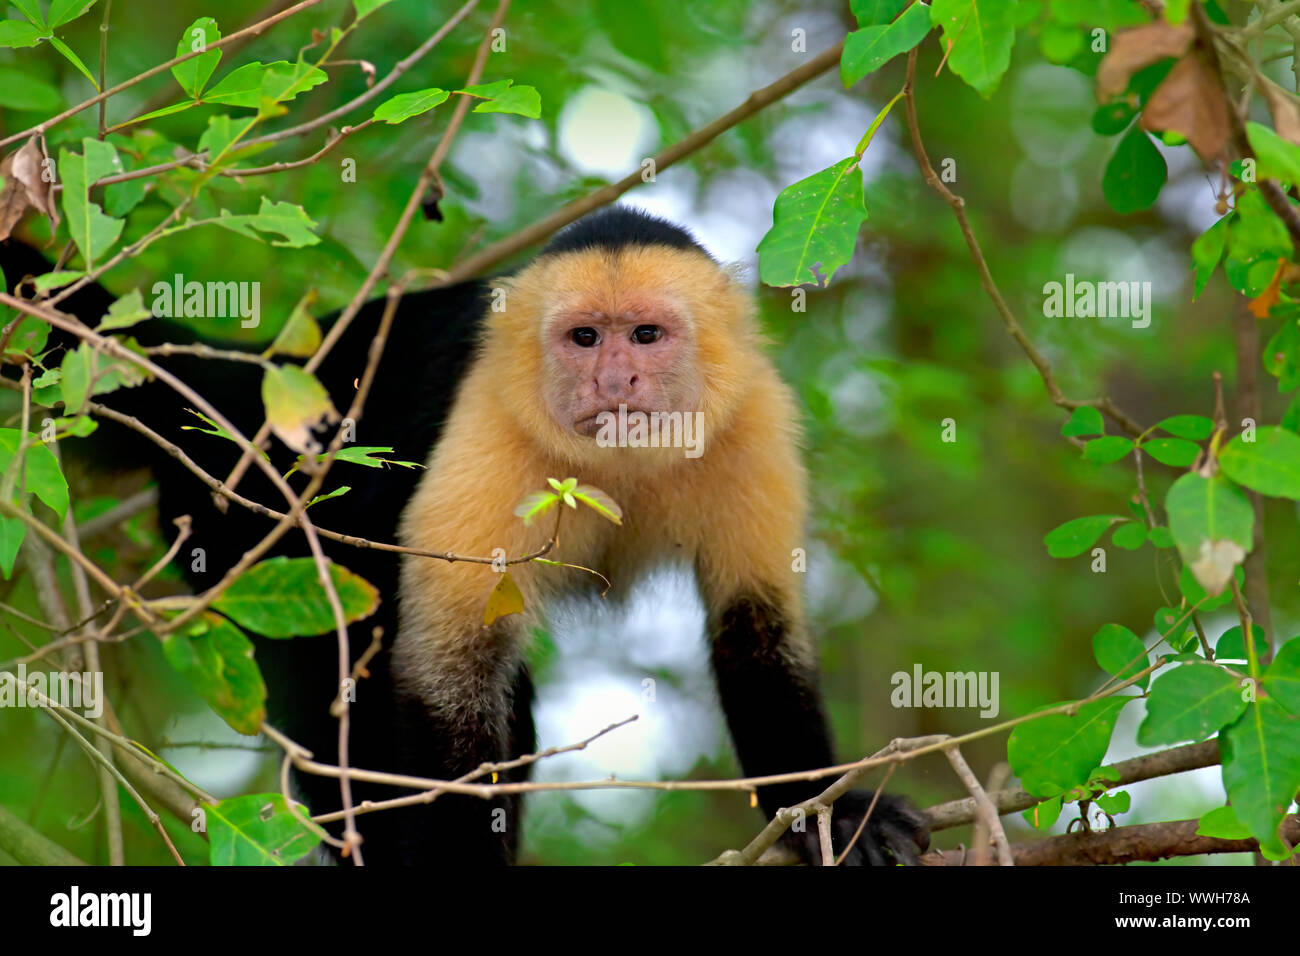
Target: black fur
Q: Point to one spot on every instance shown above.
(617, 227)
(778, 725)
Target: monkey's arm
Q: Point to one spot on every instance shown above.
(763, 659)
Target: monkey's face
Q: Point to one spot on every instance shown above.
(635, 350)
(653, 329)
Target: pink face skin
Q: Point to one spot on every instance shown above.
(638, 356)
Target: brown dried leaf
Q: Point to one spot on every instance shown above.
(24, 188)
(1131, 50)
(1285, 111)
(28, 167)
(1191, 101)
(13, 198)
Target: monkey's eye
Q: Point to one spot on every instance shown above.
(584, 337)
(645, 334)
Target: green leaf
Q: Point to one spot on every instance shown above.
(125, 312)
(41, 473)
(12, 532)
(1222, 823)
(46, 389)
(87, 372)
(815, 226)
(1172, 451)
(1291, 417)
(600, 502)
(218, 137)
(1282, 355)
(272, 218)
(1110, 119)
(367, 7)
(1193, 427)
(1160, 537)
(1129, 536)
(1041, 816)
(1084, 420)
(1075, 537)
(536, 503)
(92, 231)
(1275, 158)
(242, 86)
(1231, 646)
(1115, 803)
(1207, 251)
(75, 60)
(284, 81)
(1207, 510)
(1261, 769)
(259, 830)
(168, 110)
(1108, 449)
(402, 107)
(283, 597)
(870, 48)
(336, 493)
(193, 74)
(212, 429)
(31, 9)
(1135, 174)
(296, 404)
(1120, 653)
(1269, 465)
(28, 338)
(1257, 239)
(368, 455)
(1190, 702)
(503, 96)
(16, 33)
(979, 36)
(216, 659)
(872, 12)
(1056, 753)
(56, 280)
(1282, 679)
(65, 11)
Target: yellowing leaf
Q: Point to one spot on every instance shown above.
(505, 598)
(296, 403)
(300, 336)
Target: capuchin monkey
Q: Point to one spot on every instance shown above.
(497, 386)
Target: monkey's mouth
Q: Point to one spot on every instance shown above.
(591, 425)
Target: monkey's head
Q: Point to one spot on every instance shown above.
(642, 324)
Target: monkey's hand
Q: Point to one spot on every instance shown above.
(895, 832)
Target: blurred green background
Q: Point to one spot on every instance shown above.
(921, 551)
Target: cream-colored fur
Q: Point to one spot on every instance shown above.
(736, 513)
